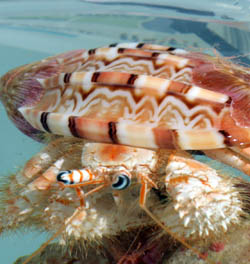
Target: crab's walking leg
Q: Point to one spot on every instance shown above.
(19, 205)
(54, 151)
(21, 198)
(79, 212)
(21, 195)
(80, 192)
(143, 193)
(204, 204)
(48, 177)
(39, 162)
(245, 152)
(58, 151)
(235, 157)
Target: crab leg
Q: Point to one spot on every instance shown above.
(238, 158)
(43, 159)
(37, 163)
(40, 161)
(44, 181)
(204, 201)
(145, 187)
(143, 193)
(39, 173)
(81, 194)
(245, 152)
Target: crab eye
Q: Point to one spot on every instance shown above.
(63, 177)
(122, 182)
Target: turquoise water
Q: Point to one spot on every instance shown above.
(14, 151)
(32, 30)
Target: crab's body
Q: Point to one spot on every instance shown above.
(149, 103)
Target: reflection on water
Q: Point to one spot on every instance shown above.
(31, 30)
(220, 24)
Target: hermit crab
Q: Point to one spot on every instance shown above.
(119, 123)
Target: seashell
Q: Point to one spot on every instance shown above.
(171, 98)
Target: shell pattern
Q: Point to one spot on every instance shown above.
(142, 95)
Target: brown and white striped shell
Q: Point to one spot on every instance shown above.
(133, 94)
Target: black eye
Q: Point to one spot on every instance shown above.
(62, 177)
(122, 182)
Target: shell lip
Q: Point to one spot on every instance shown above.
(18, 88)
